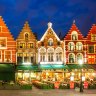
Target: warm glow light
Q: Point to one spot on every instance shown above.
(83, 78)
(80, 62)
(72, 74)
(93, 74)
(51, 62)
(72, 78)
(26, 75)
(26, 63)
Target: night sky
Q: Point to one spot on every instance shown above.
(39, 12)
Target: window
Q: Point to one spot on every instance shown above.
(50, 57)
(26, 36)
(30, 45)
(58, 52)
(79, 46)
(91, 49)
(19, 58)
(71, 58)
(79, 57)
(33, 58)
(42, 57)
(22, 45)
(26, 58)
(93, 37)
(42, 54)
(70, 46)
(74, 35)
(7, 56)
(50, 54)
(50, 42)
(91, 59)
(59, 56)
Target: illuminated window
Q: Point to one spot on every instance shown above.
(79, 57)
(91, 59)
(74, 35)
(30, 45)
(79, 46)
(50, 42)
(93, 37)
(71, 58)
(71, 46)
(22, 45)
(7, 56)
(26, 36)
(91, 48)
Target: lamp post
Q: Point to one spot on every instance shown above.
(81, 83)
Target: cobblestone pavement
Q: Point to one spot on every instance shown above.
(53, 92)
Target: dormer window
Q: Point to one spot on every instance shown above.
(74, 35)
(26, 36)
(50, 42)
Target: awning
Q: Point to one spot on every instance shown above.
(84, 66)
(27, 67)
(7, 68)
(52, 66)
(7, 72)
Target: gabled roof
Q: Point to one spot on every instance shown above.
(5, 28)
(26, 28)
(91, 31)
(73, 28)
(49, 28)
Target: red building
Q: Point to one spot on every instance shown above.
(74, 46)
(7, 44)
(7, 53)
(91, 45)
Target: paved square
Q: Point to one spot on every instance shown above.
(52, 92)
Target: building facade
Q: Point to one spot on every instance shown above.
(26, 53)
(49, 58)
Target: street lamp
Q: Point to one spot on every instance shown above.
(81, 83)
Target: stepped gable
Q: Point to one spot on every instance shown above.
(91, 31)
(74, 28)
(26, 28)
(4, 31)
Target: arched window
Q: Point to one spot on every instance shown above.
(71, 46)
(50, 52)
(71, 58)
(50, 42)
(58, 52)
(79, 57)
(79, 46)
(26, 36)
(42, 54)
(74, 35)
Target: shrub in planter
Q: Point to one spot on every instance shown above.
(26, 87)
